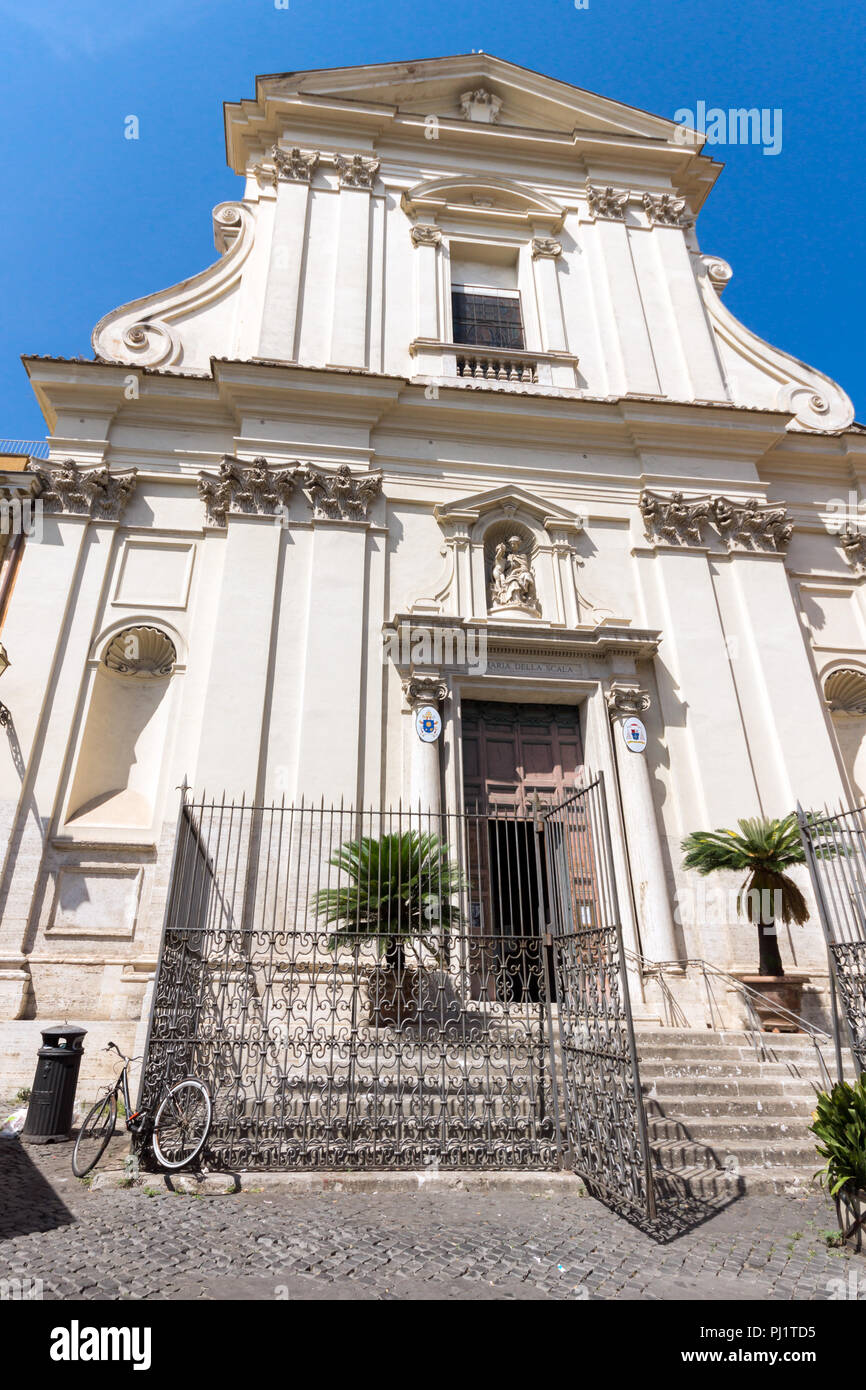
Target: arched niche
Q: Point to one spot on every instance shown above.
(510, 547)
(845, 694)
(120, 758)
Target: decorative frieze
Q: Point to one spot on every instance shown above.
(424, 690)
(246, 489)
(94, 492)
(751, 525)
(853, 543)
(625, 698)
(342, 495)
(607, 202)
(671, 519)
(356, 171)
(546, 247)
(293, 166)
(423, 235)
(666, 210)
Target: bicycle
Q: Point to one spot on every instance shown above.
(180, 1127)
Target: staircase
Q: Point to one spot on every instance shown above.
(721, 1118)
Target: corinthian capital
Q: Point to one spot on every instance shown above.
(94, 492)
(355, 171)
(606, 202)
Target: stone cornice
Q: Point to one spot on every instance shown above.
(539, 640)
(94, 492)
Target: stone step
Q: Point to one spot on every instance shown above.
(708, 1129)
(709, 1037)
(712, 1088)
(729, 1072)
(676, 1153)
(708, 1184)
(726, 1052)
(724, 1108)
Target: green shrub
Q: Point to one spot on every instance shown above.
(839, 1123)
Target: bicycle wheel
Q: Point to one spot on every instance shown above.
(182, 1124)
(94, 1135)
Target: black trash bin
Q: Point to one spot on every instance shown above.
(49, 1115)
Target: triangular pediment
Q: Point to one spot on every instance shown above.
(508, 501)
(438, 87)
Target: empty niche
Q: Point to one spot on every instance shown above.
(117, 774)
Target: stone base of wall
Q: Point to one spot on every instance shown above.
(21, 1039)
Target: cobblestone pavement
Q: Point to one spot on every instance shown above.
(112, 1243)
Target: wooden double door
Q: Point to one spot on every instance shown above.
(513, 751)
(513, 755)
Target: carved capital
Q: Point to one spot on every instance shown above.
(246, 489)
(424, 690)
(342, 495)
(666, 210)
(426, 235)
(354, 171)
(752, 525)
(853, 543)
(546, 246)
(292, 166)
(625, 698)
(94, 492)
(606, 202)
(671, 520)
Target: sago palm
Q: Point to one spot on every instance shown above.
(763, 849)
(392, 891)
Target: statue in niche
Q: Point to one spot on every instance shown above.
(512, 580)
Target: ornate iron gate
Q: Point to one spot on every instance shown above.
(606, 1122)
(375, 989)
(835, 845)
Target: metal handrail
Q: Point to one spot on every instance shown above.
(749, 995)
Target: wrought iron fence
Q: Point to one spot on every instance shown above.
(835, 845)
(358, 988)
(401, 989)
(605, 1118)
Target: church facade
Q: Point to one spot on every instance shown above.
(457, 422)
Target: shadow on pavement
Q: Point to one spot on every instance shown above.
(28, 1202)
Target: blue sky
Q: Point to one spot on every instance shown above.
(92, 220)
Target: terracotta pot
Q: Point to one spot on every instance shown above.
(776, 992)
